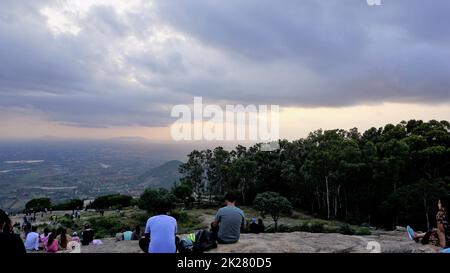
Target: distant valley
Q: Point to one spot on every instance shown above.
(65, 170)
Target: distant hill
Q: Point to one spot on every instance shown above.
(162, 176)
(129, 139)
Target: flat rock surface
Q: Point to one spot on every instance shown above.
(295, 242)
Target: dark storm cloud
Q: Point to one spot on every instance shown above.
(395, 52)
(122, 68)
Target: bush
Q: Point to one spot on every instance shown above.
(69, 205)
(313, 227)
(107, 227)
(273, 204)
(347, 230)
(38, 204)
(180, 216)
(363, 231)
(116, 201)
(281, 228)
(182, 192)
(153, 200)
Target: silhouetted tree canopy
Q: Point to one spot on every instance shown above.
(384, 176)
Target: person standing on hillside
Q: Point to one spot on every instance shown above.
(228, 221)
(10, 243)
(161, 230)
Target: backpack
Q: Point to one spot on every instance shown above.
(185, 246)
(204, 241)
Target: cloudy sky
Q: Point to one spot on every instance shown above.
(104, 68)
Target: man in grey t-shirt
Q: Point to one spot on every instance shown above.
(228, 221)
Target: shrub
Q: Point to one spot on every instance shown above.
(180, 216)
(111, 201)
(273, 204)
(38, 204)
(153, 200)
(346, 229)
(69, 205)
(363, 231)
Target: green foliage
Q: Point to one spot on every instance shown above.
(186, 221)
(362, 231)
(322, 226)
(69, 205)
(387, 176)
(107, 226)
(273, 204)
(151, 200)
(69, 223)
(115, 201)
(339, 174)
(182, 192)
(193, 174)
(38, 204)
(347, 229)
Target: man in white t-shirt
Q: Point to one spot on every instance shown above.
(162, 230)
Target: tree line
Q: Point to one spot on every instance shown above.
(387, 176)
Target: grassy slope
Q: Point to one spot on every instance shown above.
(192, 220)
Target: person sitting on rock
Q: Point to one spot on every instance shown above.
(253, 227)
(43, 238)
(10, 243)
(161, 231)
(127, 234)
(87, 235)
(136, 233)
(261, 227)
(75, 237)
(63, 238)
(52, 243)
(32, 240)
(228, 221)
(439, 236)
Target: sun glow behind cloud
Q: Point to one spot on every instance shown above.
(294, 122)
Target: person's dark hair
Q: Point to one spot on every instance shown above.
(46, 231)
(51, 238)
(161, 209)
(63, 237)
(445, 202)
(5, 222)
(230, 197)
(127, 228)
(34, 228)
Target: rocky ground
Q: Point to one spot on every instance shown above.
(295, 242)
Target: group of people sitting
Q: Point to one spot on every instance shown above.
(56, 240)
(129, 235)
(256, 226)
(50, 241)
(161, 230)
